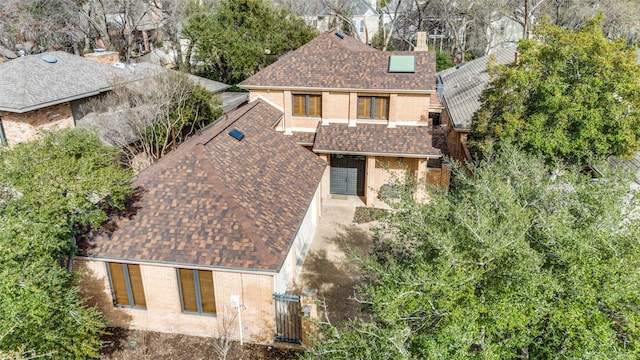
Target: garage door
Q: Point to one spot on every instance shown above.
(347, 174)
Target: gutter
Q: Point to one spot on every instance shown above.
(179, 265)
(417, 156)
(320, 89)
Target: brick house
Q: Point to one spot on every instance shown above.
(227, 217)
(367, 113)
(460, 88)
(45, 91)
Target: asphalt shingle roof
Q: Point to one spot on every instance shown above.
(463, 86)
(30, 83)
(374, 139)
(219, 202)
(329, 62)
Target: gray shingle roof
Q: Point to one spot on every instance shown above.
(219, 202)
(30, 83)
(329, 62)
(463, 86)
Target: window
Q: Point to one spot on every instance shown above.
(3, 138)
(373, 107)
(307, 105)
(196, 291)
(361, 26)
(126, 285)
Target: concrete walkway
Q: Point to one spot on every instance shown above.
(329, 266)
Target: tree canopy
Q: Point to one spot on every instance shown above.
(238, 37)
(571, 96)
(52, 188)
(515, 262)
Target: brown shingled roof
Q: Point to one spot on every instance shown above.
(328, 62)
(375, 139)
(304, 138)
(220, 202)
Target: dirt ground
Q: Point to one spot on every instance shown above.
(124, 344)
(330, 267)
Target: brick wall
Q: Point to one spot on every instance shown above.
(387, 170)
(413, 109)
(404, 109)
(163, 311)
(28, 126)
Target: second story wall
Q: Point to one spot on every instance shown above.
(327, 107)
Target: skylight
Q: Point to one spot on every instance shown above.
(402, 63)
(236, 134)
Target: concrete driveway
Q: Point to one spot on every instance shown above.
(330, 267)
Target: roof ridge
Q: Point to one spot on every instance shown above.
(245, 223)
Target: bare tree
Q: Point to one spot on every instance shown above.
(150, 117)
(226, 331)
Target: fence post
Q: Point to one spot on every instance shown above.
(310, 315)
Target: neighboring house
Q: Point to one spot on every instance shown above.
(47, 91)
(460, 88)
(363, 16)
(224, 221)
(365, 112)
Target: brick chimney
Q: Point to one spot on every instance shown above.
(105, 57)
(421, 42)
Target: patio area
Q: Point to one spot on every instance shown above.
(330, 266)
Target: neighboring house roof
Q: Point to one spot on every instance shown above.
(464, 84)
(329, 62)
(217, 201)
(28, 83)
(373, 139)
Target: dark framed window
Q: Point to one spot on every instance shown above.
(126, 285)
(3, 138)
(307, 105)
(373, 107)
(196, 291)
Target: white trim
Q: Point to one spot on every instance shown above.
(366, 153)
(178, 265)
(350, 90)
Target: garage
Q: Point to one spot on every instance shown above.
(347, 174)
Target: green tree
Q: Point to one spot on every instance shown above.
(52, 188)
(239, 37)
(443, 61)
(515, 262)
(572, 96)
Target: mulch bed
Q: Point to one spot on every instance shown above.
(367, 214)
(123, 344)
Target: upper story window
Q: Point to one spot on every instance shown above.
(373, 107)
(196, 291)
(307, 105)
(126, 285)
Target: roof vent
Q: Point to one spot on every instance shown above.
(461, 65)
(340, 35)
(49, 59)
(236, 134)
(402, 63)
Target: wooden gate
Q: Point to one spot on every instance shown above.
(288, 318)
